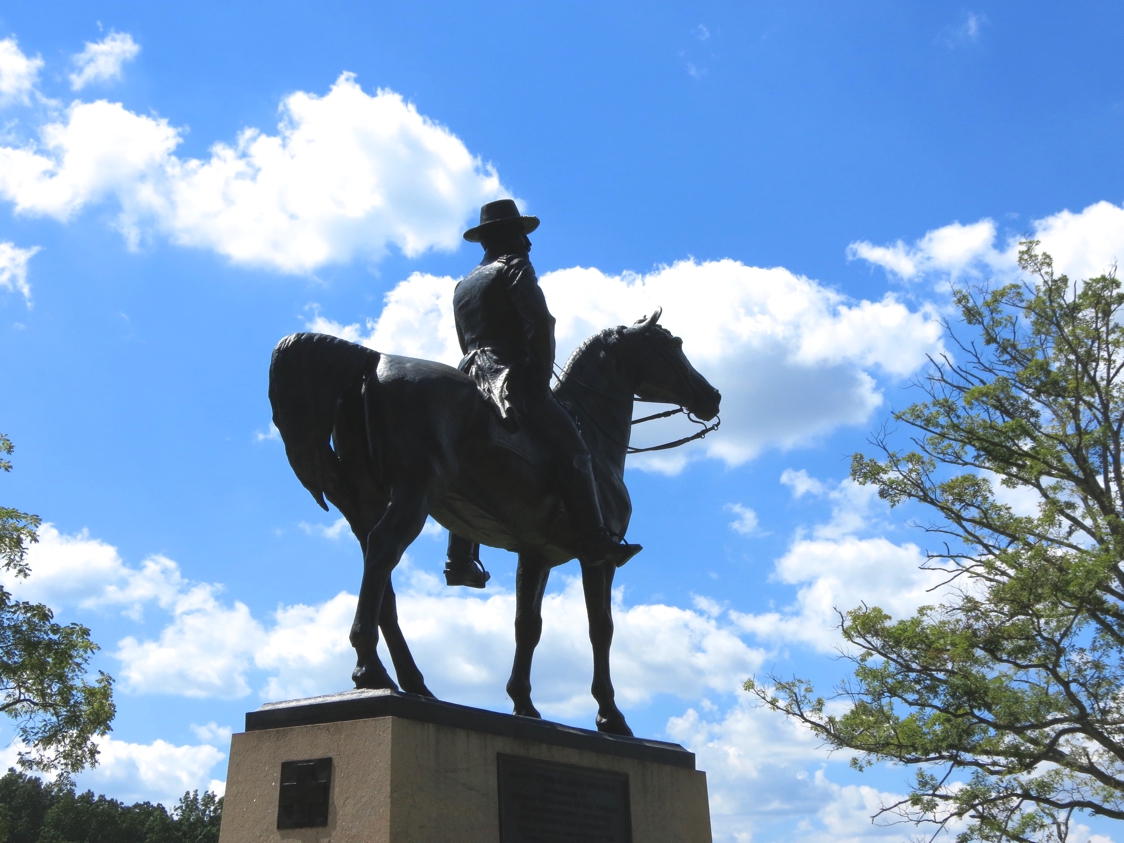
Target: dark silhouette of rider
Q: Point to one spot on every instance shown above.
(506, 333)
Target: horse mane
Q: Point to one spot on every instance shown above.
(601, 341)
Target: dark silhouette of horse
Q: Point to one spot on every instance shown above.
(390, 440)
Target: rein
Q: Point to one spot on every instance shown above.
(666, 446)
(699, 434)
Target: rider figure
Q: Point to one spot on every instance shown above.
(506, 333)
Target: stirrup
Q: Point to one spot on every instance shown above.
(616, 552)
(469, 572)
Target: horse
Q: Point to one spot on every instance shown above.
(390, 440)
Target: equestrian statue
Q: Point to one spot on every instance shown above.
(489, 450)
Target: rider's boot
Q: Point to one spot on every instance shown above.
(463, 566)
(595, 544)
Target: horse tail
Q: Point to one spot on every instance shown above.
(308, 375)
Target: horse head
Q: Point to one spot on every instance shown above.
(661, 371)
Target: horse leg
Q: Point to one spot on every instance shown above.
(597, 583)
(530, 584)
(409, 677)
(401, 523)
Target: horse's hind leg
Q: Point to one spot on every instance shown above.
(597, 583)
(409, 677)
(530, 583)
(401, 523)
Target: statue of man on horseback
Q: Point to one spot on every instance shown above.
(490, 451)
(506, 333)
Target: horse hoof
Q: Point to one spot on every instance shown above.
(527, 710)
(420, 690)
(614, 724)
(373, 680)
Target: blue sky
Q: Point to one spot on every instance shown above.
(181, 185)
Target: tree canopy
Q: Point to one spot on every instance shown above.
(1006, 698)
(44, 665)
(32, 811)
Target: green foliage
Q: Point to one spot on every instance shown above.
(1008, 697)
(43, 665)
(53, 813)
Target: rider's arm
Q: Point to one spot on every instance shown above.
(460, 334)
(530, 304)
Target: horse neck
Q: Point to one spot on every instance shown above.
(600, 401)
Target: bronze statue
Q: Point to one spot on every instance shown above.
(390, 440)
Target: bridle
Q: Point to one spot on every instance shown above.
(666, 446)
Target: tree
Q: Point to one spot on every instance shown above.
(1007, 698)
(43, 665)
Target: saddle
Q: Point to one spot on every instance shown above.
(521, 442)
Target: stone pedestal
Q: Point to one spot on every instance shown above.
(382, 767)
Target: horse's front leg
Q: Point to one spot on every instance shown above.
(409, 676)
(401, 523)
(597, 583)
(530, 584)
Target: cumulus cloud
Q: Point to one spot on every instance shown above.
(793, 359)
(464, 645)
(101, 61)
(203, 652)
(78, 570)
(768, 778)
(346, 175)
(13, 268)
(951, 249)
(18, 73)
(1083, 245)
(159, 771)
(211, 647)
(835, 568)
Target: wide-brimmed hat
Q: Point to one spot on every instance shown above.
(499, 213)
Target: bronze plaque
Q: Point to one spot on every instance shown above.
(302, 798)
(545, 802)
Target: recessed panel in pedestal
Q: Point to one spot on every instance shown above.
(547, 802)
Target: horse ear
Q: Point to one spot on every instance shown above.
(649, 322)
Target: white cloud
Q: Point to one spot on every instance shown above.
(212, 732)
(270, 434)
(1083, 245)
(767, 778)
(13, 268)
(159, 771)
(347, 175)
(81, 571)
(850, 502)
(101, 61)
(951, 249)
(18, 73)
(835, 569)
(204, 652)
(746, 521)
(841, 574)
(101, 150)
(334, 531)
(793, 359)
(464, 644)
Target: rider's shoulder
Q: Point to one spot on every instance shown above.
(517, 264)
